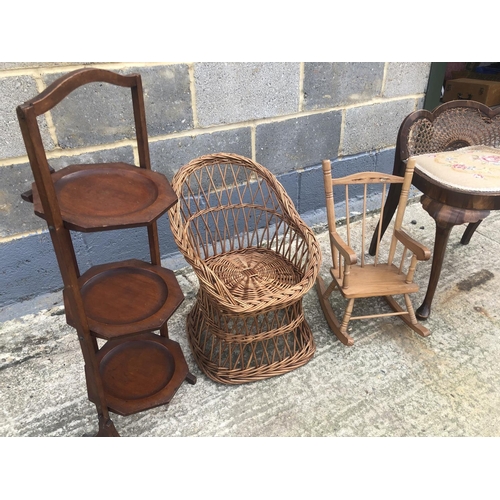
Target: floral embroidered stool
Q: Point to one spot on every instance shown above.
(461, 186)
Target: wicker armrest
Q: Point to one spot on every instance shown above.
(312, 254)
(421, 251)
(313, 261)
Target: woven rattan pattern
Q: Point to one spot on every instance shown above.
(451, 129)
(254, 258)
(252, 273)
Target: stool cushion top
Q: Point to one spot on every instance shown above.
(474, 169)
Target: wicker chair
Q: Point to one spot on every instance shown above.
(453, 125)
(254, 259)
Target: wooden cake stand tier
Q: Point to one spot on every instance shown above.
(99, 197)
(128, 297)
(140, 373)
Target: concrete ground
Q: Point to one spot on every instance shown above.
(390, 383)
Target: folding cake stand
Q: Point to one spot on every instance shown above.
(120, 302)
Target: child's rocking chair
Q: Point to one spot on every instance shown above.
(353, 276)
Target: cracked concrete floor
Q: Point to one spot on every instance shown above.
(390, 383)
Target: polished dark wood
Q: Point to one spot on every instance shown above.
(126, 298)
(113, 300)
(106, 428)
(446, 218)
(140, 373)
(100, 197)
(453, 125)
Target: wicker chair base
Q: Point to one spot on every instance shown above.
(237, 349)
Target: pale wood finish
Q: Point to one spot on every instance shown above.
(357, 278)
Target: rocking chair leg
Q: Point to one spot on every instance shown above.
(410, 318)
(347, 316)
(323, 294)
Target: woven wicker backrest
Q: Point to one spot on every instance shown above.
(228, 202)
(452, 125)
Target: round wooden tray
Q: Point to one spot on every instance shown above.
(141, 373)
(128, 297)
(107, 196)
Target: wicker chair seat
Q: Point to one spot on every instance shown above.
(256, 276)
(254, 258)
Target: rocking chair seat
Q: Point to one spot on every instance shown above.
(374, 281)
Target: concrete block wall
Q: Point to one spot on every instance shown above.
(286, 116)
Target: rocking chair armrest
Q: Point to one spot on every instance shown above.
(421, 251)
(346, 251)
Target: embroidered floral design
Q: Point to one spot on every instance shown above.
(462, 166)
(491, 159)
(477, 167)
